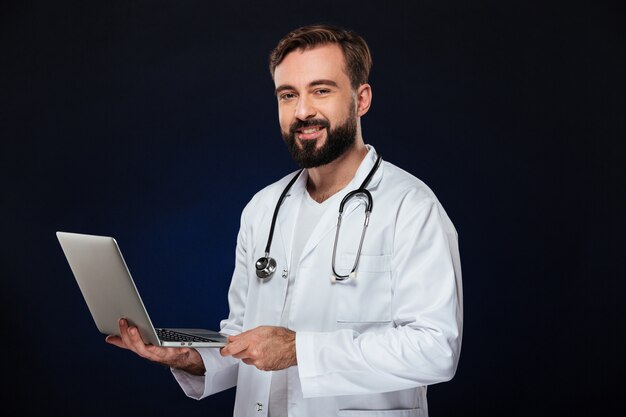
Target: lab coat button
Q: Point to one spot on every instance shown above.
(259, 407)
(285, 273)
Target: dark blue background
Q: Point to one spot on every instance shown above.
(155, 122)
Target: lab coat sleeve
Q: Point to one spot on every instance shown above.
(221, 372)
(422, 346)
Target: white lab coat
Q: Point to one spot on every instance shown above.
(370, 343)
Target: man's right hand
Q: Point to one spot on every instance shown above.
(186, 359)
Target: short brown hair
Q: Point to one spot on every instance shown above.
(355, 50)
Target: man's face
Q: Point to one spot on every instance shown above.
(316, 105)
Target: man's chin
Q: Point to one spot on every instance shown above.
(309, 145)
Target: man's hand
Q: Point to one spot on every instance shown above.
(187, 359)
(266, 347)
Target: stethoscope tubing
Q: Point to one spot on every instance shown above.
(266, 265)
(275, 215)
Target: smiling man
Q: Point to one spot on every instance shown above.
(319, 110)
(388, 322)
(308, 105)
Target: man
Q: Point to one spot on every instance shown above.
(388, 322)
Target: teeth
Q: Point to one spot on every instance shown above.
(311, 130)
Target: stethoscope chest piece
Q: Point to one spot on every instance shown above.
(265, 267)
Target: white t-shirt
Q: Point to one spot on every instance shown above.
(310, 213)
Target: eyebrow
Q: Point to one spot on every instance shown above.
(311, 84)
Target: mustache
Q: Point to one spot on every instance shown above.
(299, 124)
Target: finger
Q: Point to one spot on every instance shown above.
(136, 342)
(227, 350)
(233, 348)
(116, 341)
(131, 338)
(124, 336)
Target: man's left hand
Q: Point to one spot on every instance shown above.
(266, 347)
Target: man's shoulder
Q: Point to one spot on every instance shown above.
(401, 183)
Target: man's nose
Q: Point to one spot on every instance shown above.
(305, 108)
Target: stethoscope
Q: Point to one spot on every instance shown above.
(266, 265)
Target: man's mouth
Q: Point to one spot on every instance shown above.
(309, 132)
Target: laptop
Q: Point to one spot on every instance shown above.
(110, 293)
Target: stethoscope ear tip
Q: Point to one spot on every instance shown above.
(333, 278)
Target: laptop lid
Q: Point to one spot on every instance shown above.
(110, 292)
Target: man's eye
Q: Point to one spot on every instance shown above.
(322, 91)
(286, 96)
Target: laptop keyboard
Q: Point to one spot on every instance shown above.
(168, 335)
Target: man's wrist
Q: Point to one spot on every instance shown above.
(194, 364)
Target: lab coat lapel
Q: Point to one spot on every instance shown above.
(288, 214)
(328, 222)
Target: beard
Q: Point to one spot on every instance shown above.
(338, 141)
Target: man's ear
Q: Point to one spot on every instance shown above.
(363, 99)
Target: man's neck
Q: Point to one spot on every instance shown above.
(326, 180)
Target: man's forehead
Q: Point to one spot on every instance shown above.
(303, 66)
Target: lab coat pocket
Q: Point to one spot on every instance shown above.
(365, 301)
(414, 412)
(367, 263)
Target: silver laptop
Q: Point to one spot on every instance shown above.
(110, 293)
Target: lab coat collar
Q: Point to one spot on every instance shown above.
(299, 187)
(366, 165)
